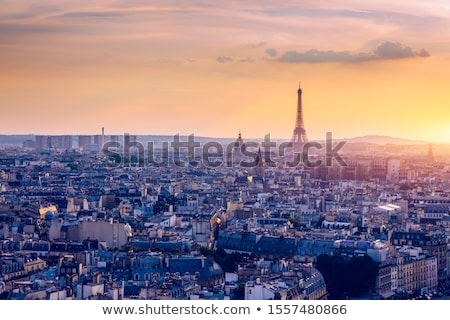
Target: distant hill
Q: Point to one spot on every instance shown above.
(383, 140)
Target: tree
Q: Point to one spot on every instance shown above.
(296, 223)
(319, 222)
(344, 276)
(227, 261)
(73, 166)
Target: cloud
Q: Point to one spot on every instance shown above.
(385, 51)
(174, 61)
(315, 56)
(224, 59)
(424, 53)
(94, 14)
(391, 50)
(271, 52)
(256, 45)
(396, 50)
(14, 30)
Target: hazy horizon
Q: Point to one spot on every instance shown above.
(376, 139)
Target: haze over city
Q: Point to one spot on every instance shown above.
(366, 67)
(253, 150)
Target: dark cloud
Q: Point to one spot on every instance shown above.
(385, 51)
(314, 56)
(395, 50)
(391, 50)
(224, 59)
(271, 52)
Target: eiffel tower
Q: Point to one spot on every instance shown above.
(299, 135)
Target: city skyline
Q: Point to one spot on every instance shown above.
(372, 68)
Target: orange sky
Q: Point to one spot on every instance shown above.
(212, 69)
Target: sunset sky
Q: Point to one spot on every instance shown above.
(213, 68)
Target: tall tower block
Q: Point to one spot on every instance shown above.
(299, 135)
(103, 137)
